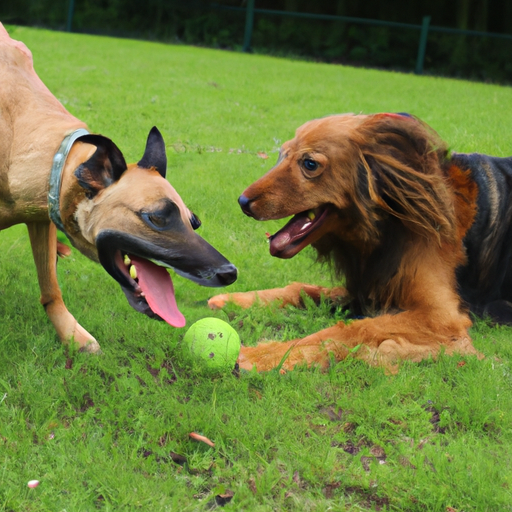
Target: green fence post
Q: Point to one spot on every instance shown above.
(423, 45)
(71, 11)
(249, 22)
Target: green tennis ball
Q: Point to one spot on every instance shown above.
(212, 346)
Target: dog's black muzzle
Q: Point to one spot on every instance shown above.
(193, 258)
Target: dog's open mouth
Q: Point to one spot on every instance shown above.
(153, 288)
(293, 237)
(140, 267)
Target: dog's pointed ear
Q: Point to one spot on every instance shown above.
(154, 154)
(103, 168)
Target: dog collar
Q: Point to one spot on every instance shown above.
(56, 176)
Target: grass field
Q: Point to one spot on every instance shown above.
(111, 432)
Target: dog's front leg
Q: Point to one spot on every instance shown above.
(311, 350)
(289, 295)
(43, 238)
(383, 340)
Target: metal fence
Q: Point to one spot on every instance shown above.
(250, 11)
(424, 28)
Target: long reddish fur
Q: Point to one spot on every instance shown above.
(408, 179)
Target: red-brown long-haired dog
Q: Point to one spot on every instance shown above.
(421, 236)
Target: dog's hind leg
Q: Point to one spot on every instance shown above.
(289, 295)
(63, 250)
(43, 238)
(499, 312)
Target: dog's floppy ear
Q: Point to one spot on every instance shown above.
(403, 158)
(103, 168)
(154, 154)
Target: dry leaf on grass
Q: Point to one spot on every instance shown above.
(202, 439)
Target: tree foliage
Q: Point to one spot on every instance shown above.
(221, 24)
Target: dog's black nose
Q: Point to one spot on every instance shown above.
(228, 275)
(245, 204)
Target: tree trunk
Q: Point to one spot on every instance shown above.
(463, 14)
(341, 8)
(482, 16)
(291, 5)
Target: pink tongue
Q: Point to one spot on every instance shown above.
(286, 235)
(157, 286)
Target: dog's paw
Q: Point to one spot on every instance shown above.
(219, 301)
(93, 347)
(85, 342)
(243, 299)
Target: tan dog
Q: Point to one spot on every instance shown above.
(119, 215)
(420, 236)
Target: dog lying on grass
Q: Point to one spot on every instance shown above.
(53, 173)
(422, 238)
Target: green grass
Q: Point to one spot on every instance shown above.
(102, 432)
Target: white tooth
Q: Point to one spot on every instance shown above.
(133, 272)
(127, 260)
(311, 215)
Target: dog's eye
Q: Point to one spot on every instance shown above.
(310, 165)
(164, 217)
(194, 221)
(158, 221)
